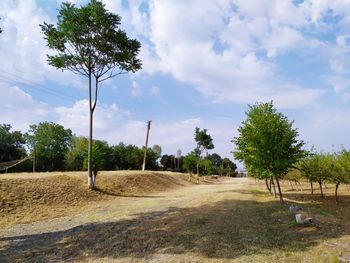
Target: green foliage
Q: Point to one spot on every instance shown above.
(74, 158)
(293, 175)
(267, 142)
(168, 162)
(50, 141)
(205, 167)
(341, 166)
(101, 152)
(203, 140)
(130, 157)
(228, 168)
(88, 39)
(334, 168)
(11, 144)
(189, 162)
(157, 150)
(221, 166)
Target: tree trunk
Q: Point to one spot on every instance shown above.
(312, 187)
(320, 183)
(300, 187)
(91, 179)
(267, 185)
(197, 168)
(291, 185)
(274, 187)
(279, 190)
(336, 192)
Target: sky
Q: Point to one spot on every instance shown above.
(204, 62)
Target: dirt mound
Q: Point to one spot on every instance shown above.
(30, 198)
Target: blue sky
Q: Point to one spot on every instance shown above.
(204, 61)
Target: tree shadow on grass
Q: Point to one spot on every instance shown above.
(118, 194)
(224, 230)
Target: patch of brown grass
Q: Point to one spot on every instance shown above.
(27, 198)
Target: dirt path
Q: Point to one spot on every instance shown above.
(121, 209)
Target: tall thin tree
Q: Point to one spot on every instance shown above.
(87, 40)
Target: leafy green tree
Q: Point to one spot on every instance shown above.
(229, 168)
(168, 162)
(204, 143)
(190, 162)
(216, 162)
(305, 166)
(50, 142)
(341, 170)
(206, 167)
(11, 144)
(294, 175)
(88, 41)
(268, 142)
(101, 153)
(74, 158)
(130, 157)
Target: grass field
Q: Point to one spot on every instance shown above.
(173, 220)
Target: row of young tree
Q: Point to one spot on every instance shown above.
(55, 148)
(269, 147)
(323, 168)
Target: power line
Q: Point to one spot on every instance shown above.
(45, 89)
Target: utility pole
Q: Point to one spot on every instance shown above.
(145, 153)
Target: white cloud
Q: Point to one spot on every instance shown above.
(20, 109)
(219, 56)
(155, 90)
(135, 89)
(24, 47)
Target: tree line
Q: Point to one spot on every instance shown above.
(55, 148)
(321, 168)
(268, 145)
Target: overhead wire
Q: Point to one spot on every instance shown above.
(44, 89)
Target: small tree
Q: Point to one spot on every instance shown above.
(88, 41)
(341, 171)
(190, 162)
(204, 143)
(268, 143)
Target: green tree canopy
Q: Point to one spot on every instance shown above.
(204, 143)
(267, 143)
(50, 142)
(11, 144)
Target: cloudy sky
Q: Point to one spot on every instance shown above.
(204, 61)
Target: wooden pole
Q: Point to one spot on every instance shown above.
(145, 153)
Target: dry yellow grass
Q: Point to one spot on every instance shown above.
(232, 220)
(27, 197)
